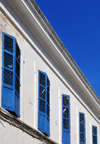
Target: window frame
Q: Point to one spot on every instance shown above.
(94, 135)
(15, 107)
(46, 103)
(63, 129)
(84, 129)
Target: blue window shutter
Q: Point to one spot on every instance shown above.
(65, 119)
(9, 99)
(82, 138)
(44, 103)
(48, 106)
(17, 80)
(94, 135)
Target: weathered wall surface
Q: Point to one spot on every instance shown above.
(12, 135)
(31, 62)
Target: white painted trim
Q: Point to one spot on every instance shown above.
(35, 97)
(98, 136)
(90, 132)
(77, 125)
(60, 115)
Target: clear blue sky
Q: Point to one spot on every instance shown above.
(77, 23)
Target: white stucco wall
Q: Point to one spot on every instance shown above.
(31, 62)
(12, 135)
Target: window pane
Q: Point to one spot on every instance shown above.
(65, 112)
(47, 97)
(8, 43)
(17, 85)
(42, 106)
(94, 131)
(42, 79)
(8, 60)
(48, 84)
(42, 92)
(66, 124)
(81, 127)
(65, 101)
(8, 77)
(81, 118)
(17, 53)
(82, 138)
(17, 69)
(47, 110)
(94, 139)
(94, 134)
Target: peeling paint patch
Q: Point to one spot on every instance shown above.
(8, 27)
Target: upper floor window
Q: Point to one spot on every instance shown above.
(10, 74)
(44, 103)
(65, 119)
(94, 135)
(82, 128)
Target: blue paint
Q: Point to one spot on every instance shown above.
(82, 139)
(94, 135)
(65, 119)
(10, 87)
(44, 103)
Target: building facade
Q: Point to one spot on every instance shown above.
(44, 97)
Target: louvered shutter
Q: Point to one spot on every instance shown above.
(94, 135)
(43, 104)
(9, 100)
(17, 81)
(65, 119)
(48, 106)
(82, 128)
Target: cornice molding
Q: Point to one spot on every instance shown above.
(13, 120)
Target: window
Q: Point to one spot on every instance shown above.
(44, 103)
(10, 74)
(94, 135)
(82, 128)
(65, 119)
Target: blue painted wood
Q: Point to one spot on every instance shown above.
(10, 99)
(82, 139)
(48, 105)
(44, 103)
(17, 80)
(94, 135)
(65, 119)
